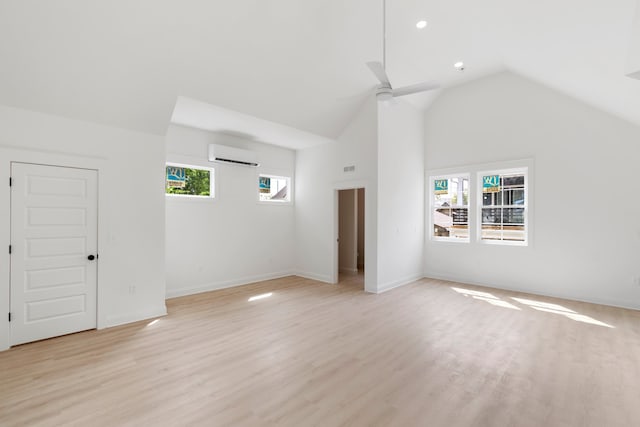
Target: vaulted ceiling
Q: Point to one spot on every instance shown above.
(297, 63)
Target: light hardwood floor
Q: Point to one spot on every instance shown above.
(432, 353)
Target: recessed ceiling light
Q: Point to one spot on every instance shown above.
(459, 65)
(421, 24)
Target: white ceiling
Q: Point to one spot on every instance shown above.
(297, 63)
(201, 115)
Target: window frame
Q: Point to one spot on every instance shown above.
(475, 172)
(289, 179)
(432, 179)
(212, 181)
(523, 170)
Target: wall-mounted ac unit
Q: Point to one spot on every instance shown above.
(238, 156)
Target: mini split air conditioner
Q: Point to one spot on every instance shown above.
(238, 156)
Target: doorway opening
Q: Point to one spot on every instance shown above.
(351, 247)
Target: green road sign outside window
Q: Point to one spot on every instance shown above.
(265, 184)
(491, 184)
(441, 186)
(176, 177)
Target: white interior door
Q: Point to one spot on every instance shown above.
(54, 240)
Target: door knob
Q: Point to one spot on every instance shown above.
(91, 257)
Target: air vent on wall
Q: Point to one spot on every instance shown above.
(238, 156)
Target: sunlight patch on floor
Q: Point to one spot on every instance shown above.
(259, 297)
(485, 296)
(575, 316)
(532, 303)
(469, 292)
(498, 302)
(536, 305)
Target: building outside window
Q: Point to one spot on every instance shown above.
(450, 208)
(503, 212)
(274, 188)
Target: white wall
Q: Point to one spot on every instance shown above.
(400, 195)
(585, 234)
(232, 239)
(131, 206)
(319, 173)
(315, 168)
(633, 60)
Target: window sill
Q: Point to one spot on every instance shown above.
(449, 240)
(503, 243)
(185, 197)
(275, 203)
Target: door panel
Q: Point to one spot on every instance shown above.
(55, 249)
(54, 308)
(47, 217)
(54, 221)
(53, 277)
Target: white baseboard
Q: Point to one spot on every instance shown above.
(313, 276)
(398, 283)
(463, 280)
(180, 292)
(121, 319)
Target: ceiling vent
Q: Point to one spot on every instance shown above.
(237, 156)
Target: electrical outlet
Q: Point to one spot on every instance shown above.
(132, 290)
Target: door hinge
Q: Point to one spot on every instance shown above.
(10, 181)
(9, 317)
(9, 249)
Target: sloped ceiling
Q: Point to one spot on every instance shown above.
(297, 63)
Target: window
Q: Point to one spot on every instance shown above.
(186, 180)
(274, 188)
(503, 212)
(450, 208)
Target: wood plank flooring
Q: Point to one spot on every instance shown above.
(432, 353)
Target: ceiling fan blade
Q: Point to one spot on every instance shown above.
(420, 87)
(378, 70)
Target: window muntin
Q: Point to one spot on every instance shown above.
(188, 180)
(273, 188)
(503, 213)
(450, 208)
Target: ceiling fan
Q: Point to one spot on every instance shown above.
(384, 91)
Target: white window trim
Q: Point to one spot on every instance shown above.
(432, 179)
(212, 182)
(287, 202)
(478, 225)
